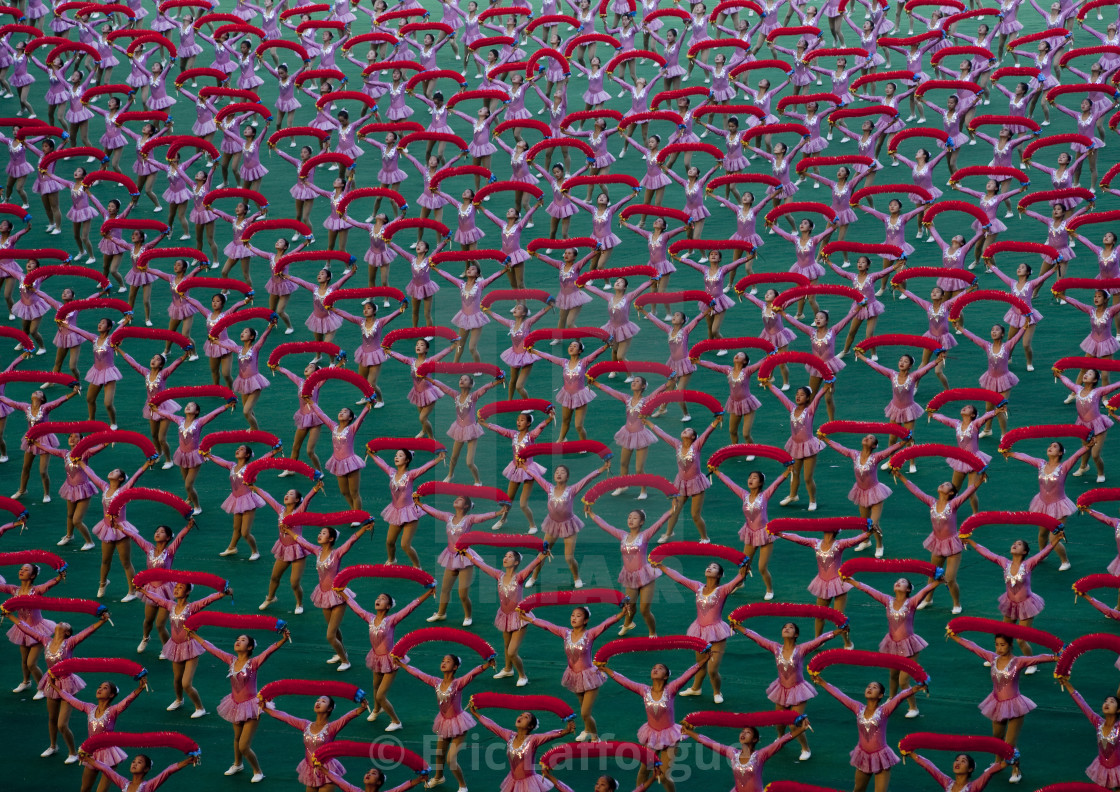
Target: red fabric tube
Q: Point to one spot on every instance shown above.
(670, 549)
(957, 743)
(1098, 495)
(43, 557)
(659, 644)
(787, 610)
(150, 334)
(980, 519)
(250, 472)
(862, 427)
(817, 524)
(239, 437)
(964, 394)
(770, 278)
(58, 604)
(738, 344)
(566, 448)
(793, 358)
(65, 427)
(1016, 632)
(670, 298)
(611, 273)
(521, 702)
(146, 576)
(215, 284)
(374, 751)
(893, 566)
(455, 490)
(148, 494)
(514, 406)
(327, 348)
(330, 519)
(936, 450)
(395, 571)
(234, 621)
(96, 665)
(568, 752)
(1013, 436)
(741, 720)
(411, 333)
(645, 480)
(483, 539)
(699, 398)
(565, 334)
(1100, 580)
(320, 377)
(629, 367)
(721, 455)
(1081, 645)
(445, 634)
(855, 657)
(311, 687)
(587, 596)
(83, 446)
(422, 444)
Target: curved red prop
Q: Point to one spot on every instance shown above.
(817, 524)
(699, 398)
(1079, 646)
(587, 596)
(147, 494)
(980, 519)
(328, 519)
(318, 378)
(892, 566)
(566, 448)
(311, 687)
(423, 444)
(146, 577)
(899, 339)
(1017, 632)
(373, 751)
(514, 406)
(721, 455)
(568, 752)
(394, 571)
(957, 743)
(251, 471)
(792, 358)
(239, 437)
(483, 539)
(510, 701)
(659, 644)
(965, 394)
(863, 427)
(855, 657)
(86, 444)
(21, 557)
(1013, 436)
(936, 450)
(59, 604)
(234, 621)
(478, 491)
(786, 610)
(670, 549)
(96, 665)
(446, 635)
(644, 480)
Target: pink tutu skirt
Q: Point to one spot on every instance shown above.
(237, 250)
(755, 537)
(47, 441)
(457, 726)
(309, 776)
(789, 697)
(1027, 609)
(580, 398)
(202, 216)
(464, 433)
(636, 580)
(568, 301)
(595, 97)
(533, 783)
(323, 324)
(301, 192)
(659, 739)
(470, 321)
(779, 339)
(81, 215)
(911, 412)
(177, 652)
(239, 711)
(811, 271)
(186, 459)
(681, 367)
(869, 497)
(96, 376)
(1103, 348)
(691, 486)
(871, 763)
(655, 182)
(622, 332)
(484, 150)
(1100, 424)
(107, 533)
(449, 559)
(430, 200)
(344, 466)
(31, 311)
(943, 547)
(519, 474)
(424, 395)
(712, 633)
(827, 589)
(17, 636)
(421, 291)
(379, 258)
(245, 385)
(904, 648)
(554, 209)
(329, 598)
(996, 710)
(394, 176)
(394, 516)
(287, 552)
(280, 286)
(1005, 382)
(1058, 509)
(241, 504)
(815, 145)
(561, 529)
(582, 681)
(742, 406)
(516, 359)
(110, 756)
(508, 622)
(135, 277)
(1107, 777)
(803, 450)
(379, 663)
(605, 161)
(253, 173)
(71, 684)
(370, 357)
(468, 236)
(961, 467)
(873, 308)
(996, 227)
(73, 494)
(634, 440)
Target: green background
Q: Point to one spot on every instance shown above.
(1056, 744)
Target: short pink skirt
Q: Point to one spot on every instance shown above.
(950, 546)
(636, 580)
(329, 598)
(449, 728)
(288, 552)
(634, 440)
(561, 529)
(905, 648)
(582, 681)
(241, 504)
(344, 466)
(996, 710)
(792, 696)
(177, 652)
(239, 711)
(659, 739)
(712, 633)
(1027, 609)
(827, 589)
(873, 762)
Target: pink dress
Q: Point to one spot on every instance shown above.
(636, 570)
(285, 548)
(381, 638)
(748, 774)
(619, 324)
(803, 441)
(708, 624)
(580, 675)
(109, 529)
(103, 723)
(575, 392)
(241, 497)
(634, 434)
(900, 639)
(241, 704)
(660, 731)
(998, 377)
(161, 560)
(510, 592)
(1089, 406)
(104, 369)
(323, 595)
(186, 455)
(967, 438)
(402, 509)
(827, 583)
(342, 461)
(943, 539)
(450, 557)
(690, 479)
(872, 753)
(740, 400)
(32, 620)
(451, 721)
(1005, 701)
(790, 688)
(1099, 342)
(867, 490)
(71, 683)
(679, 362)
(422, 393)
(309, 774)
(1018, 602)
(1051, 498)
(522, 775)
(753, 532)
(1105, 769)
(902, 407)
(514, 472)
(249, 378)
(470, 315)
(180, 647)
(561, 521)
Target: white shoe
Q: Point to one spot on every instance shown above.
(343, 667)
(466, 622)
(862, 546)
(812, 505)
(923, 604)
(689, 692)
(583, 736)
(769, 595)
(334, 659)
(129, 597)
(505, 672)
(1065, 566)
(1030, 367)
(577, 583)
(788, 499)
(522, 681)
(72, 759)
(39, 696)
(878, 552)
(167, 465)
(140, 647)
(285, 474)
(436, 617)
(257, 778)
(804, 757)
(718, 697)
(1016, 776)
(64, 541)
(298, 610)
(956, 609)
(174, 705)
(626, 628)
(910, 714)
(234, 769)
(616, 492)
(228, 552)
(46, 498)
(264, 605)
(392, 727)
(1100, 479)
(101, 589)
(254, 556)
(1031, 670)
(49, 752)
